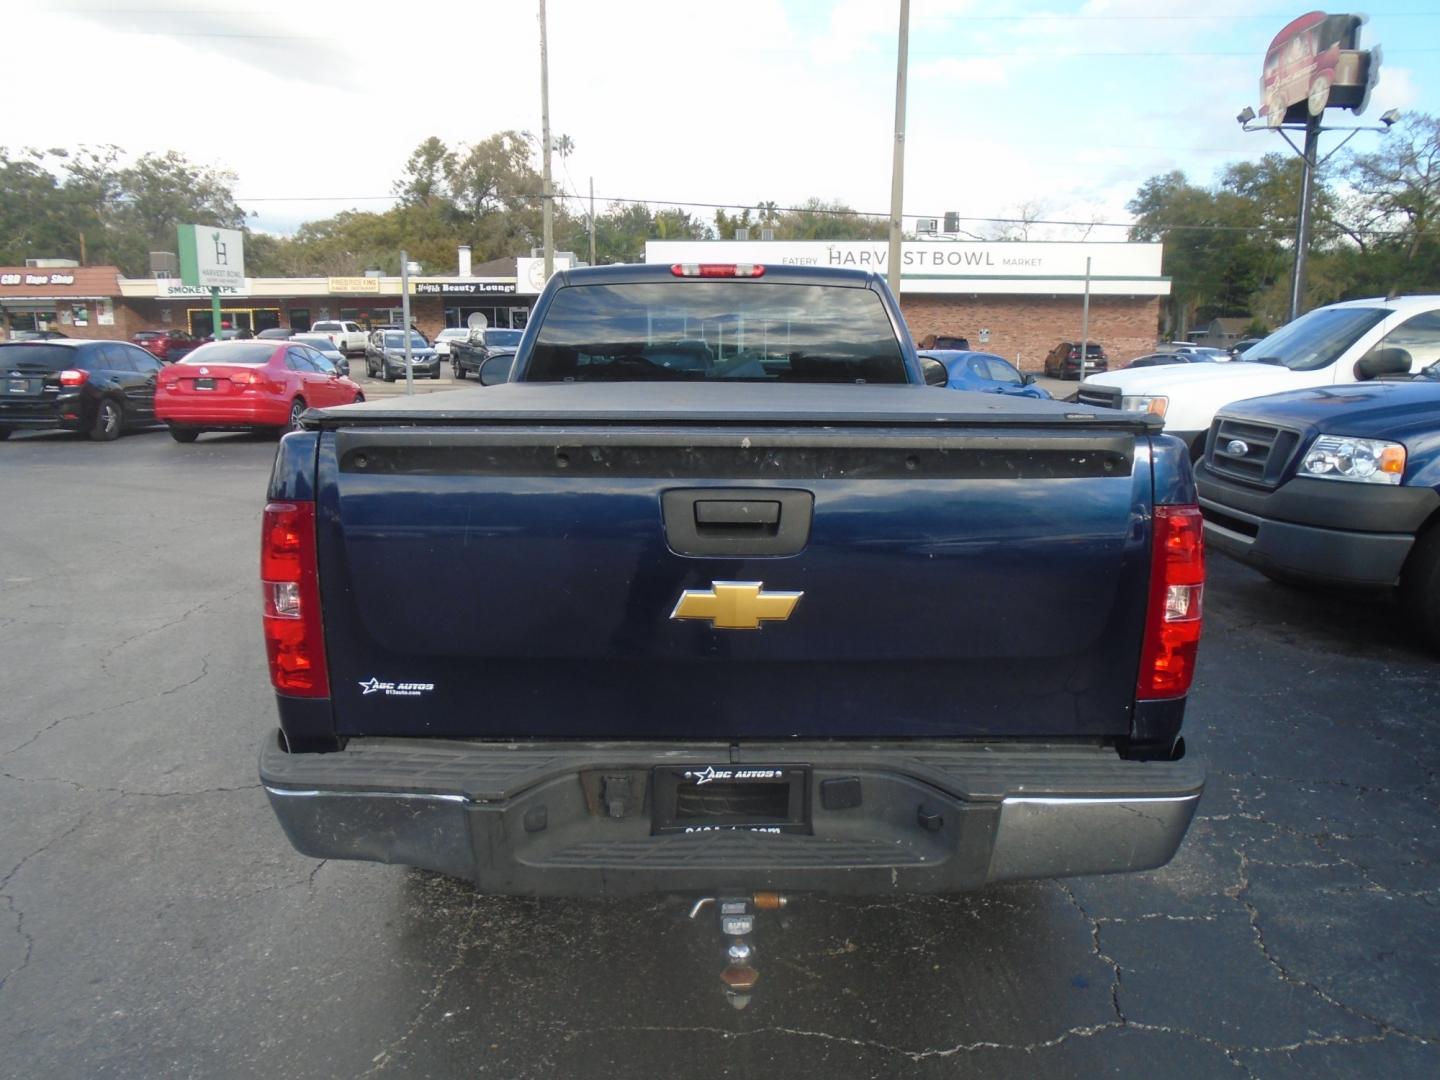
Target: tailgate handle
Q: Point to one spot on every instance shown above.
(734, 512)
(737, 521)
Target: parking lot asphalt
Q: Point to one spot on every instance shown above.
(155, 922)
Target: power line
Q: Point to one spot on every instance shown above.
(879, 215)
(1054, 54)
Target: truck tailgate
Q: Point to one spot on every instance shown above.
(518, 580)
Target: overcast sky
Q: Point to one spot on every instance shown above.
(315, 104)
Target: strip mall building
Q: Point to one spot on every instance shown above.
(96, 302)
(1016, 299)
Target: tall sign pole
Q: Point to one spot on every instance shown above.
(549, 209)
(1084, 323)
(897, 168)
(215, 313)
(1303, 223)
(405, 318)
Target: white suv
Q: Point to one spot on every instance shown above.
(1323, 347)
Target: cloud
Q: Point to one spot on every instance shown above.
(1396, 89)
(972, 71)
(292, 46)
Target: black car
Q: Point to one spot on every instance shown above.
(277, 333)
(1063, 362)
(98, 387)
(468, 356)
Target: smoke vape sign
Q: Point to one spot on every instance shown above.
(211, 257)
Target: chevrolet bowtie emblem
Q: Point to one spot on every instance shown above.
(735, 605)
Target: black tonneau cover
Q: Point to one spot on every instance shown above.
(640, 403)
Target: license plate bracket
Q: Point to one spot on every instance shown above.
(731, 798)
(18, 386)
(204, 384)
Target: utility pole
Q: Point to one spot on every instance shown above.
(592, 221)
(897, 172)
(404, 318)
(1303, 223)
(549, 210)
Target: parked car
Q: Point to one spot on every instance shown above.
(468, 354)
(984, 372)
(1321, 348)
(1063, 361)
(321, 344)
(1336, 485)
(1240, 346)
(445, 337)
(247, 385)
(949, 342)
(1160, 358)
(98, 387)
(1206, 352)
(349, 337)
(232, 333)
(165, 345)
(278, 333)
(37, 335)
(385, 356)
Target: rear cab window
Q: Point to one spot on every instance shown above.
(732, 330)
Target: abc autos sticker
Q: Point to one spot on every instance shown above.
(709, 773)
(390, 689)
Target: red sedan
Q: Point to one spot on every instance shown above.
(247, 385)
(166, 345)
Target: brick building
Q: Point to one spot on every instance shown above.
(1015, 299)
(78, 301)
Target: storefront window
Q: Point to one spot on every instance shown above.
(300, 319)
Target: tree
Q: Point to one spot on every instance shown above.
(48, 199)
(1393, 213)
(36, 220)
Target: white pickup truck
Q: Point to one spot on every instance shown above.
(348, 337)
(1342, 343)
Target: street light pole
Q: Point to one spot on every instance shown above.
(549, 211)
(404, 318)
(897, 169)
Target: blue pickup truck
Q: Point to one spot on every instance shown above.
(716, 594)
(1335, 485)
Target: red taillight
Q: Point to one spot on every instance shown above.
(290, 587)
(245, 378)
(1173, 612)
(73, 377)
(717, 270)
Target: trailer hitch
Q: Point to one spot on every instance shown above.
(737, 924)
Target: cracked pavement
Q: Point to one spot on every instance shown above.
(155, 922)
